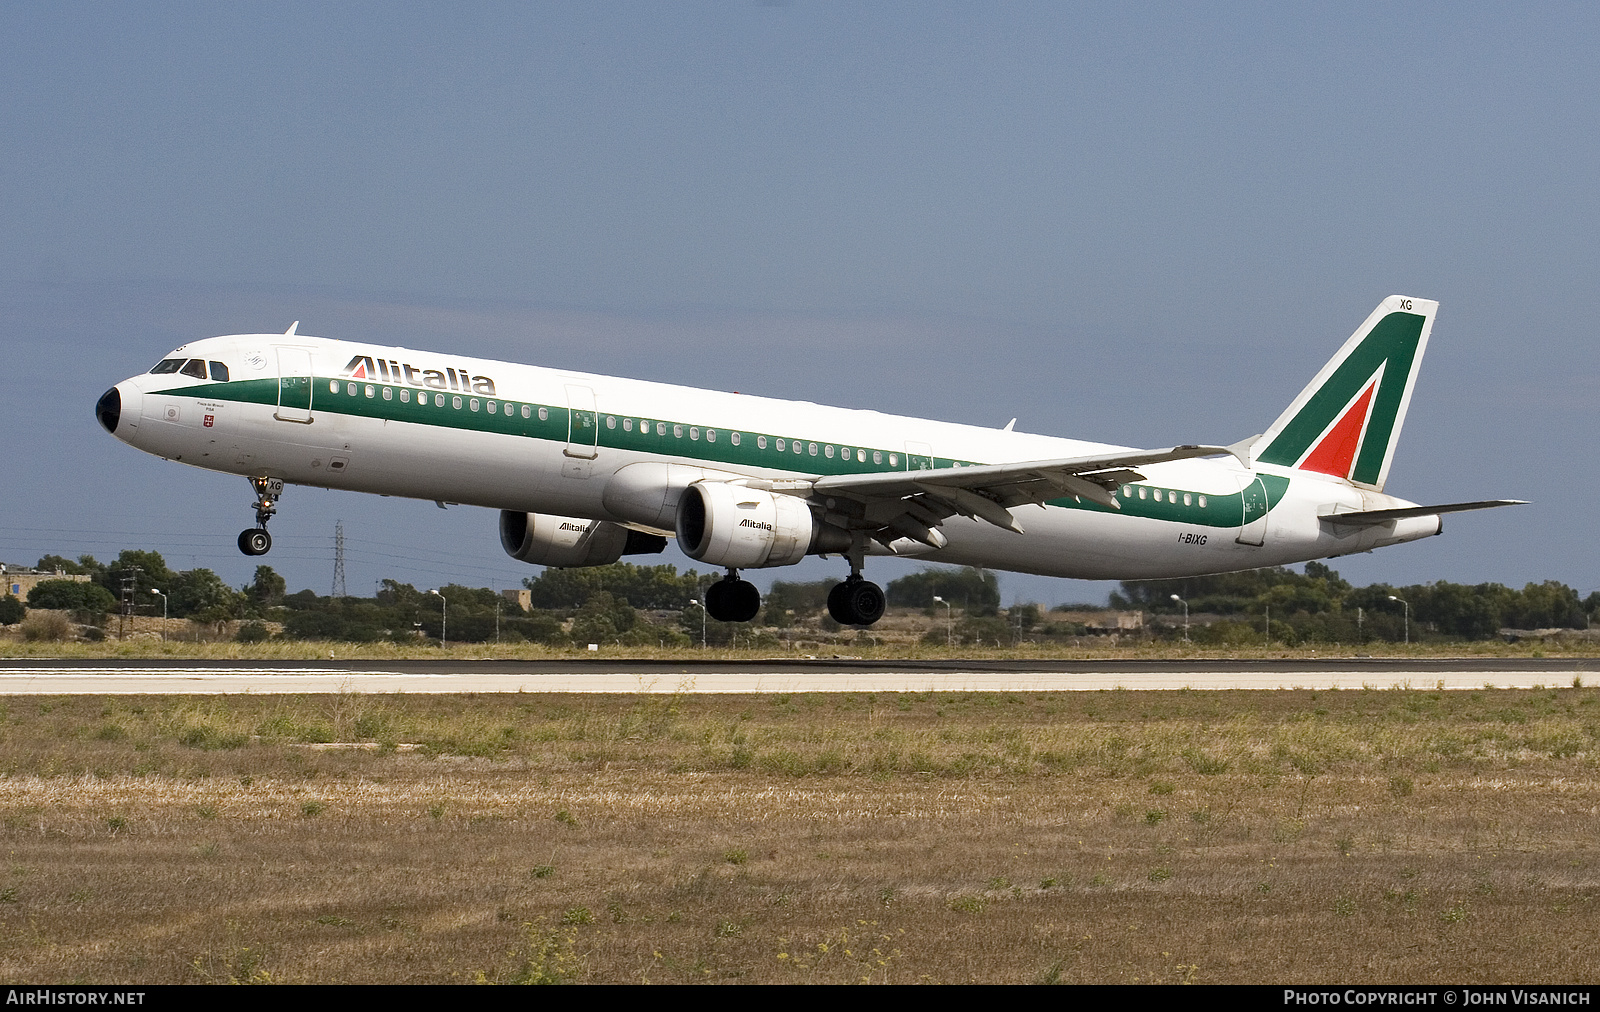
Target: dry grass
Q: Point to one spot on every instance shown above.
(1114, 836)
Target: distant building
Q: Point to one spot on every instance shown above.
(521, 598)
(20, 580)
(1103, 621)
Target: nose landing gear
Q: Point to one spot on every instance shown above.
(256, 541)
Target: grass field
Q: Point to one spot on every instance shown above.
(1111, 836)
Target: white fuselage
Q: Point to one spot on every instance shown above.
(419, 425)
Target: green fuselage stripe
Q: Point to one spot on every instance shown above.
(714, 446)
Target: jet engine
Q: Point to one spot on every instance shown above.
(745, 528)
(570, 542)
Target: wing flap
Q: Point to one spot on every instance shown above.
(990, 477)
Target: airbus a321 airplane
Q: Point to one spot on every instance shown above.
(586, 469)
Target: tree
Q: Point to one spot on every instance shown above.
(71, 595)
(652, 587)
(12, 611)
(267, 589)
(58, 564)
(149, 570)
(970, 588)
(201, 594)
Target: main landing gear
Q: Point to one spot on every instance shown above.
(854, 601)
(731, 599)
(256, 540)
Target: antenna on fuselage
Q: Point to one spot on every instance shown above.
(290, 331)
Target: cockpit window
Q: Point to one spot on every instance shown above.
(219, 372)
(168, 365)
(195, 367)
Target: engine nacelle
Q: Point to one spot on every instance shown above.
(570, 542)
(743, 528)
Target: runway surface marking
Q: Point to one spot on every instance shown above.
(204, 680)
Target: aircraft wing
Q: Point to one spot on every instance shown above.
(1365, 518)
(913, 503)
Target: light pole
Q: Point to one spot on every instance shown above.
(1407, 605)
(1185, 604)
(163, 611)
(949, 636)
(697, 601)
(444, 618)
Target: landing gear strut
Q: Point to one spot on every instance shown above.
(731, 599)
(856, 601)
(256, 540)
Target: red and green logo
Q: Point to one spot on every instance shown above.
(1347, 422)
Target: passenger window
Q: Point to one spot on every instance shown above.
(812, 449)
(405, 396)
(510, 410)
(1202, 502)
(1188, 500)
(194, 367)
(735, 438)
(473, 404)
(661, 428)
(527, 411)
(544, 414)
(877, 456)
(711, 435)
(371, 391)
(627, 425)
(861, 456)
(694, 432)
(761, 443)
(781, 446)
(167, 365)
(219, 372)
(438, 400)
(492, 407)
(827, 451)
(455, 402)
(677, 432)
(894, 460)
(611, 421)
(1142, 492)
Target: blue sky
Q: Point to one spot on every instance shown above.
(1143, 224)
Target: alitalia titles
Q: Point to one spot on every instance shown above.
(365, 367)
(758, 525)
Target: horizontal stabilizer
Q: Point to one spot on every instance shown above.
(1369, 517)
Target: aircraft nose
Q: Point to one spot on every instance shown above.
(109, 410)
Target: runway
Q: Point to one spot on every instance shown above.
(72, 677)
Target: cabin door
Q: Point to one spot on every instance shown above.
(1253, 527)
(294, 385)
(583, 432)
(919, 456)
